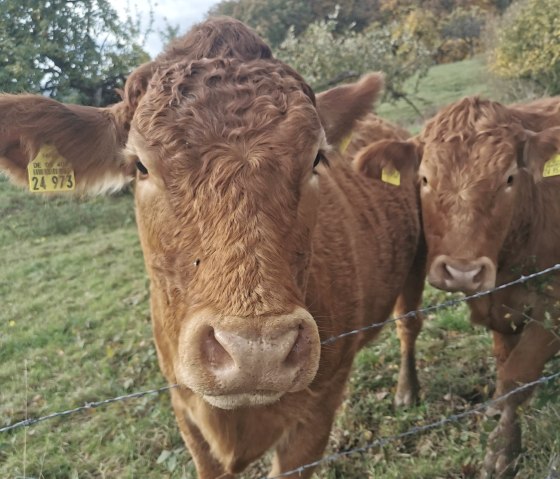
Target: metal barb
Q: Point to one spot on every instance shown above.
(444, 305)
(85, 407)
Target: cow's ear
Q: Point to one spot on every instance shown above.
(390, 158)
(540, 153)
(46, 145)
(79, 142)
(340, 107)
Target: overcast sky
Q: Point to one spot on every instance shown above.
(178, 12)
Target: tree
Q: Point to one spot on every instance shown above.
(273, 18)
(325, 58)
(528, 44)
(465, 25)
(270, 18)
(351, 14)
(71, 50)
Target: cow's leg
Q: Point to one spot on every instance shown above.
(503, 345)
(207, 467)
(524, 364)
(410, 299)
(306, 442)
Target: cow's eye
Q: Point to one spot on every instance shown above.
(509, 180)
(320, 158)
(141, 168)
(424, 181)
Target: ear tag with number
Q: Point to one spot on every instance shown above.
(50, 172)
(552, 167)
(393, 177)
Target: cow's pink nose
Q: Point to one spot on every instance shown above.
(467, 276)
(234, 361)
(227, 351)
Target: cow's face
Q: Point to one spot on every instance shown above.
(476, 192)
(226, 201)
(468, 194)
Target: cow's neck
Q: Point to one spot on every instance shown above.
(230, 434)
(531, 245)
(523, 244)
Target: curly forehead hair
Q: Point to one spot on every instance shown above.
(465, 119)
(220, 37)
(210, 100)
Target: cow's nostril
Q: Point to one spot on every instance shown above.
(299, 350)
(216, 354)
(479, 277)
(446, 271)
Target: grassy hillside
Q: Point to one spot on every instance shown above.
(74, 328)
(442, 85)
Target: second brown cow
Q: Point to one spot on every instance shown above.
(490, 194)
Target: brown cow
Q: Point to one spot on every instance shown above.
(256, 250)
(490, 216)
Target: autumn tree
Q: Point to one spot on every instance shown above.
(326, 58)
(528, 44)
(465, 25)
(75, 51)
(270, 18)
(273, 18)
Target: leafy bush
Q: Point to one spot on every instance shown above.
(325, 58)
(528, 44)
(465, 25)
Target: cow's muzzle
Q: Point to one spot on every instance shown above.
(468, 276)
(234, 362)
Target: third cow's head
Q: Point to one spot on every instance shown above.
(477, 179)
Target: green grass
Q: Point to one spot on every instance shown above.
(442, 85)
(74, 327)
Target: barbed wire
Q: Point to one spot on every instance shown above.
(444, 305)
(453, 418)
(418, 429)
(87, 406)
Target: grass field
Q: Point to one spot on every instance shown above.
(442, 85)
(74, 328)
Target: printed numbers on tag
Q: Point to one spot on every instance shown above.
(52, 183)
(50, 172)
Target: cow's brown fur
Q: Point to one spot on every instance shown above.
(483, 195)
(240, 236)
(370, 129)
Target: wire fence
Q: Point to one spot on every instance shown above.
(87, 406)
(380, 442)
(445, 304)
(419, 429)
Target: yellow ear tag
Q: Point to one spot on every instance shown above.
(552, 167)
(393, 177)
(50, 172)
(345, 142)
